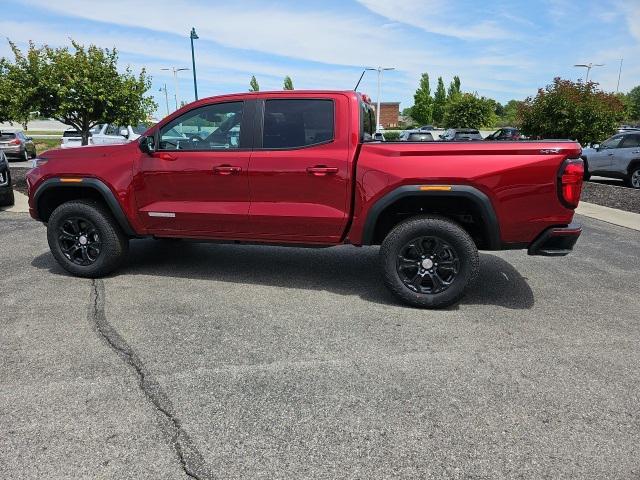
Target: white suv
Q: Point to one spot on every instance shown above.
(104, 134)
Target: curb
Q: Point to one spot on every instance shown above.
(21, 205)
(609, 215)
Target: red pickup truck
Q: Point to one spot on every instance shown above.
(302, 168)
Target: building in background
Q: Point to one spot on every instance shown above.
(389, 114)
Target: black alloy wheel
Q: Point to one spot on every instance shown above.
(79, 240)
(427, 265)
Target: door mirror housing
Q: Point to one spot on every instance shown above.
(124, 132)
(148, 144)
(29, 139)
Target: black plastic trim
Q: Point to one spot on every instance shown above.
(105, 192)
(482, 201)
(556, 241)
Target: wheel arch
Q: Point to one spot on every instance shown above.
(466, 194)
(55, 191)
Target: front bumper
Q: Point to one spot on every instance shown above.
(556, 241)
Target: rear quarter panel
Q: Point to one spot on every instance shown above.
(520, 179)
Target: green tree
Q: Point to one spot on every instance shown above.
(633, 102)
(5, 89)
(575, 110)
(422, 110)
(471, 111)
(253, 84)
(288, 83)
(80, 87)
(454, 88)
(509, 117)
(439, 102)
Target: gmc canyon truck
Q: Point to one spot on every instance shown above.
(301, 168)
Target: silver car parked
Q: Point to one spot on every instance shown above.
(616, 157)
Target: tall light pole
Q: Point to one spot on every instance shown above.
(194, 36)
(619, 73)
(379, 70)
(175, 81)
(589, 66)
(166, 96)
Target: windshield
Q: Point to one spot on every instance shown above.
(140, 128)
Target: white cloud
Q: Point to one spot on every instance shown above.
(438, 16)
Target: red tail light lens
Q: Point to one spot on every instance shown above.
(570, 182)
(15, 141)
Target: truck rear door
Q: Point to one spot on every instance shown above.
(299, 171)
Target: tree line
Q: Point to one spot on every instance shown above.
(562, 109)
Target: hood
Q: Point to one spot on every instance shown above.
(85, 151)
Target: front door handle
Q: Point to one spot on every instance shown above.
(165, 156)
(226, 170)
(322, 170)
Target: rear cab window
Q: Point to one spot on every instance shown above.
(297, 123)
(367, 122)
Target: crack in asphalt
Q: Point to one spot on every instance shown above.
(190, 458)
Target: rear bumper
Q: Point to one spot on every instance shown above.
(555, 241)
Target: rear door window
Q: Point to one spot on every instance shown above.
(297, 123)
(631, 141)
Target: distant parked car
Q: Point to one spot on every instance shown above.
(616, 157)
(379, 137)
(628, 129)
(103, 134)
(460, 134)
(6, 190)
(415, 136)
(16, 145)
(505, 134)
(427, 128)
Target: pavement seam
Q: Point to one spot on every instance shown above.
(191, 460)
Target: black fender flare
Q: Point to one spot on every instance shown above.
(481, 200)
(95, 184)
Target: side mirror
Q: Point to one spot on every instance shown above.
(595, 146)
(441, 136)
(29, 139)
(148, 144)
(124, 132)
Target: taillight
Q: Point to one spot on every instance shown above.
(15, 141)
(570, 182)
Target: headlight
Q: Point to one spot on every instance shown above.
(38, 162)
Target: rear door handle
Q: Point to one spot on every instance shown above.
(322, 170)
(226, 170)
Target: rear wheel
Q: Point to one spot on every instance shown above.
(85, 239)
(586, 175)
(633, 180)
(428, 262)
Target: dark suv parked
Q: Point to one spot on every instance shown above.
(6, 191)
(460, 134)
(506, 134)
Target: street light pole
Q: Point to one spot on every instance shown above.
(589, 66)
(166, 96)
(175, 81)
(379, 70)
(194, 36)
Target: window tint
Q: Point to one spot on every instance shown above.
(112, 130)
(7, 136)
(368, 121)
(631, 141)
(613, 142)
(212, 127)
(297, 123)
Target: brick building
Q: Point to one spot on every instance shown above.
(389, 114)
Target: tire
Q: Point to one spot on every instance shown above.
(456, 250)
(25, 156)
(586, 175)
(633, 180)
(105, 245)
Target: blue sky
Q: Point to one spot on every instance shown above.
(501, 49)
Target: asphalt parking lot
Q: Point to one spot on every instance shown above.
(228, 361)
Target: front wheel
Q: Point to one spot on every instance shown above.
(634, 177)
(85, 239)
(428, 262)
